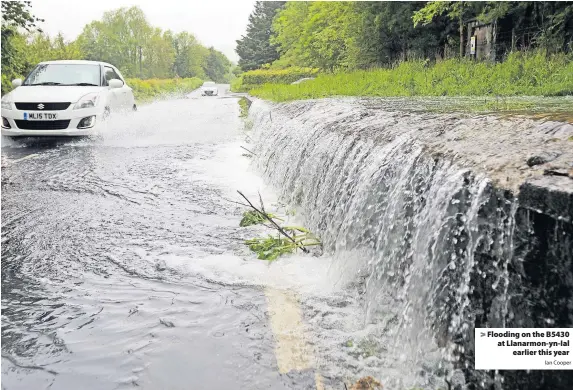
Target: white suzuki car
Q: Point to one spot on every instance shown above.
(64, 98)
(209, 88)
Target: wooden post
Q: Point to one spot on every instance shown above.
(493, 53)
(461, 36)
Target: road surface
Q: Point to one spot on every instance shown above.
(123, 264)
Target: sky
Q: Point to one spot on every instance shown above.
(217, 23)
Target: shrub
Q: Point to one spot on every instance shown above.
(277, 76)
(255, 78)
(237, 85)
(152, 88)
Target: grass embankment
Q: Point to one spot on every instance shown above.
(530, 74)
(146, 90)
(256, 78)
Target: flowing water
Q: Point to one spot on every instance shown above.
(123, 265)
(423, 241)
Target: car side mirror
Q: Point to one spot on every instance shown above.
(115, 83)
(16, 83)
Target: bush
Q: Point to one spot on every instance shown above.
(277, 76)
(237, 85)
(255, 78)
(152, 88)
(6, 84)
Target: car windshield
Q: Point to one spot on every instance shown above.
(65, 74)
(209, 84)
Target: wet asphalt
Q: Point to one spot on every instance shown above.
(100, 238)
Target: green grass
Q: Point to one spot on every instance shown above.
(558, 108)
(244, 105)
(521, 74)
(238, 85)
(147, 90)
(256, 78)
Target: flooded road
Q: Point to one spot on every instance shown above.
(122, 260)
(124, 266)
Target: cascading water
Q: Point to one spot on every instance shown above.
(430, 239)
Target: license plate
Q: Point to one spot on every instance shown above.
(40, 116)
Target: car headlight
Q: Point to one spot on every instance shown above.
(6, 104)
(88, 101)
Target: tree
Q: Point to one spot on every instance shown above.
(117, 39)
(455, 10)
(217, 66)
(160, 55)
(383, 33)
(255, 48)
(15, 15)
(190, 56)
(331, 35)
(546, 24)
(556, 21)
(63, 50)
(327, 35)
(40, 47)
(181, 43)
(287, 34)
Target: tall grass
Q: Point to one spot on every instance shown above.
(530, 74)
(145, 90)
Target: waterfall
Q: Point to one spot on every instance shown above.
(431, 236)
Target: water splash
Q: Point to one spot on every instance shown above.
(408, 228)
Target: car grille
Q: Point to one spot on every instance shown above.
(47, 106)
(43, 125)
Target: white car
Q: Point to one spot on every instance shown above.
(209, 88)
(64, 98)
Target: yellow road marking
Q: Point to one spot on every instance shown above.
(291, 349)
(25, 158)
(318, 381)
